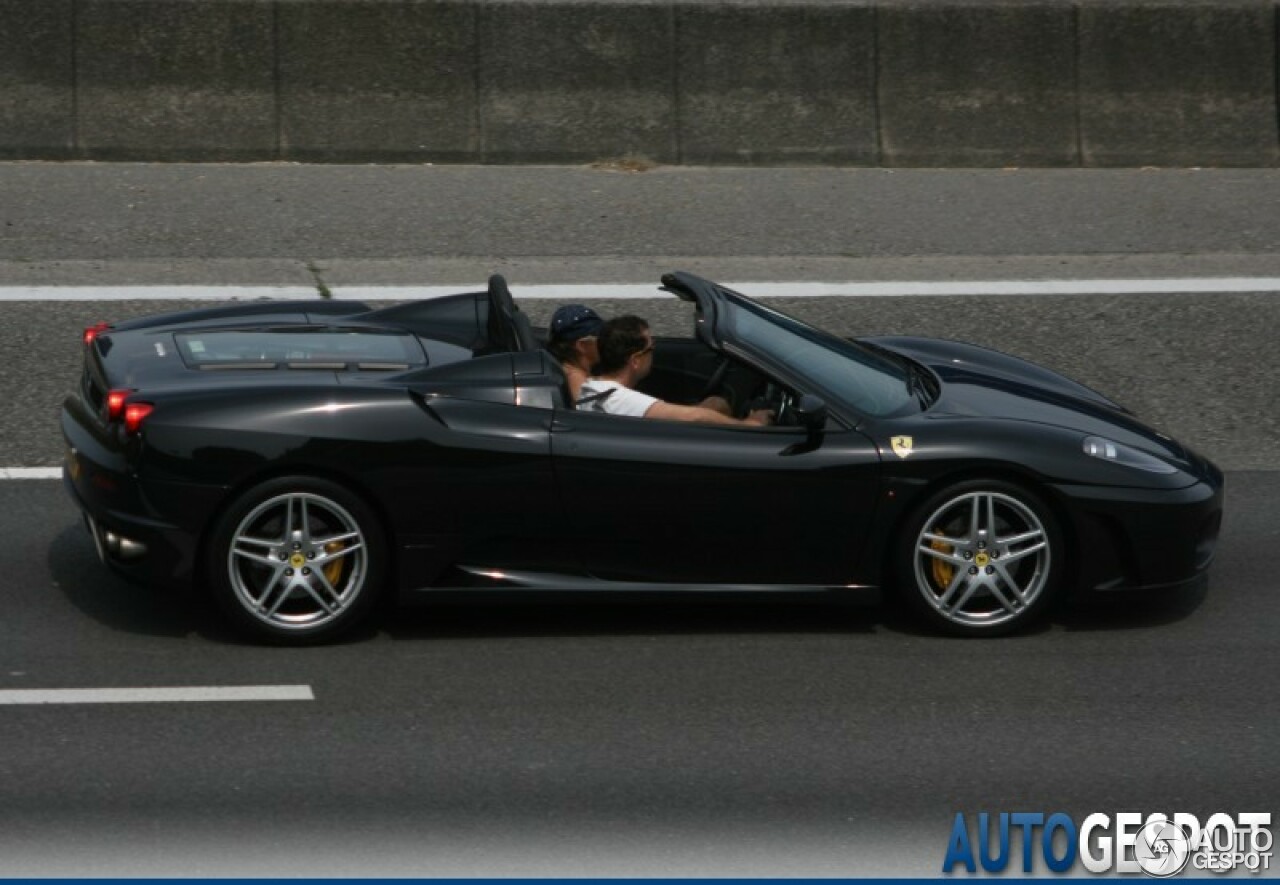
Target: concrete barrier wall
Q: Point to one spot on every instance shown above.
(852, 82)
(37, 73)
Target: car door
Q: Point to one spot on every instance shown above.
(677, 502)
(483, 459)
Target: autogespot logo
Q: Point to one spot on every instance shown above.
(1157, 845)
(1162, 848)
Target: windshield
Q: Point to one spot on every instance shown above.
(870, 383)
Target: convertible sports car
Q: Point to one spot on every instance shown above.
(300, 459)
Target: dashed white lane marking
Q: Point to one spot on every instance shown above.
(622, 291)
(191, 694)
(30, 473)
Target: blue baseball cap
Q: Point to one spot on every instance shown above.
(574, 321)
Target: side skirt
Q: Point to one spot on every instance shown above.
(470, 579)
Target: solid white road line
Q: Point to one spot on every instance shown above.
(1171, 286)
(154, 293)
(623, 291)
(30, 473)
(193, 694)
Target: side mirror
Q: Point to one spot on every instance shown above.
(811, 413)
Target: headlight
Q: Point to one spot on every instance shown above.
(1107, 450)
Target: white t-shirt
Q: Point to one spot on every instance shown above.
(599, 395)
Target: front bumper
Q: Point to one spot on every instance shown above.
(1136, 539)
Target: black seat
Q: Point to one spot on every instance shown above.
(509, 329)
(525, 338)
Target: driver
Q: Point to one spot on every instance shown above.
(626, 357)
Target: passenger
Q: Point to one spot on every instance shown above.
(574, 328)
(626, 357)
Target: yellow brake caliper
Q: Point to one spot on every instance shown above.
(333, 571)
(943, 572)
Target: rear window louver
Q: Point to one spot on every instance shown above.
(229, 366)
(268, 366)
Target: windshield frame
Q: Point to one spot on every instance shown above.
(891, 374)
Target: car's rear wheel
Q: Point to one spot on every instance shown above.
(981, 558)
(297, 560)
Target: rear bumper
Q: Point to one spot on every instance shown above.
(1140, 539)
(146, 530)
(147, 550)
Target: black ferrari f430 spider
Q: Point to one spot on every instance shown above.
(301, 459)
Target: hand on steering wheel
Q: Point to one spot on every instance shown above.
(778, 399)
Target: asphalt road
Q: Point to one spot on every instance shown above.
(1201, 367)
(746, 738)
(268, 223)
(285, 211)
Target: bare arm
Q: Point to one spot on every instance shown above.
(576, 378)
(672, 412)
(717, 403)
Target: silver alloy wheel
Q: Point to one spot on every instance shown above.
(297, 561)
(982, 559)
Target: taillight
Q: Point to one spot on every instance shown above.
(134, 413)
(115, 403)
(94, 331)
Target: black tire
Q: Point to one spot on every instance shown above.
(309, 582)
(964, 579)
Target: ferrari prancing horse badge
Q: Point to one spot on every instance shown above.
(901, 446)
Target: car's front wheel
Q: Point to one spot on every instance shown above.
(981, 558)
(297, 560)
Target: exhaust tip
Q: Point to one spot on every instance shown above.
(120, 547)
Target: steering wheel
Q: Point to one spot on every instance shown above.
(717, 377)
(779, 399)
